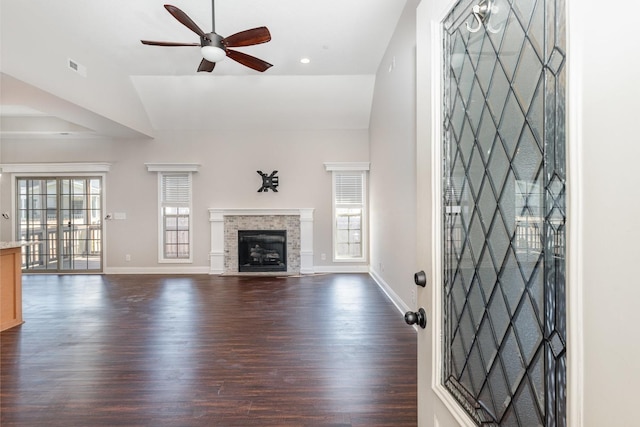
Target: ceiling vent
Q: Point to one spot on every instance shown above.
(77, 67)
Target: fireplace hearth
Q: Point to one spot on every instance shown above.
(262, 250)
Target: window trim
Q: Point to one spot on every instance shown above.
(163, 169)
(350, 167)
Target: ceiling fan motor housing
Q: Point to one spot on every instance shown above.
(212, 39)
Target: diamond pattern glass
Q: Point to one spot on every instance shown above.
(504, 213)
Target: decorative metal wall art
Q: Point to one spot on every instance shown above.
(269, 182)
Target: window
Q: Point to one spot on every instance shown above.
(349, 211)
(175, 231)
(175, 215)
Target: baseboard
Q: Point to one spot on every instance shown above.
(395, 299)
(341, 269)
(157, 270)
(326, 269)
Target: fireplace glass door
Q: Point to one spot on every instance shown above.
(262, 250)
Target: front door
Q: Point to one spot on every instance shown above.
(498, 191)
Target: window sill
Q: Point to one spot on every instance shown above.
(353, 260)
(175, 261)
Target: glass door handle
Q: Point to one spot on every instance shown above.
(416, 318)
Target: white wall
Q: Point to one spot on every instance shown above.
(227, 179)
(393, 163)
(604, 64)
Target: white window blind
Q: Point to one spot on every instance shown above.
(349, 188)
(176, 189)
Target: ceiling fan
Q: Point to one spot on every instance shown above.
(215, 48)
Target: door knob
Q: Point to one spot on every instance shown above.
(420, 278)
(416, 318)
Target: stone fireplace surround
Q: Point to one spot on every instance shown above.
(225, 223)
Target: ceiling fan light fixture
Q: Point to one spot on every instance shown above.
(212, 47)
(213, 53)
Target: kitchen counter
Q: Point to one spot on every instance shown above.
(10, 284)
(9, 245)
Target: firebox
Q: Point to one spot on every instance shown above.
(262, 250)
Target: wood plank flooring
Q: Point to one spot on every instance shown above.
(149, 350)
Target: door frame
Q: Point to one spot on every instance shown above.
(430, 49)
(60, 170)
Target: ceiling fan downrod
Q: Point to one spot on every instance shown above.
(213, 16)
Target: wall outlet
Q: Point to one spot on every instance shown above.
(127, 257)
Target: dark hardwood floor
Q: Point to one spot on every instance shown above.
(132, 350)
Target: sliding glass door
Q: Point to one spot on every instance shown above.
(61, 217)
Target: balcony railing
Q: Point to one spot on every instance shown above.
(46, 250)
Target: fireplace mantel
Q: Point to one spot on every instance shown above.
(218, 250)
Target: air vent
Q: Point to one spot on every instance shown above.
(77, 67)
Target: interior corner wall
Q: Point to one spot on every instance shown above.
(392, 184)
(227, 178)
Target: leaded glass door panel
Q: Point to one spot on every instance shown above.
(504, 211)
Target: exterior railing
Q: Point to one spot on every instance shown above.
(77, 240)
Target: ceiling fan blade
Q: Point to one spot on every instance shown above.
(248, 60)
(248, 37)
(184, 19)
(153, 43)
(206, 66)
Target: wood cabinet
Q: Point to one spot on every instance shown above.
(10, 287)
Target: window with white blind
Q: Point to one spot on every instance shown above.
(175, 233)
(175, 206)
(349, 211)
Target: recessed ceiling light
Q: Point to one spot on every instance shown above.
(305, 60)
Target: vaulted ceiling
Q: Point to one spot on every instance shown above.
(120, 87)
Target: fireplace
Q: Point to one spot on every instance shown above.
(262, 250)
(225, 224)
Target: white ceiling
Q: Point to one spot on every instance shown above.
(344, 40)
